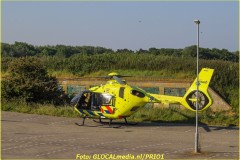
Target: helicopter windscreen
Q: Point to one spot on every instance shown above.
(107, 99)
(99, 100)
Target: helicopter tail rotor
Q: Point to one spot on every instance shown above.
(204, 100)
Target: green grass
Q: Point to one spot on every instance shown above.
(147, 113)
(42, 109)
(61, 74)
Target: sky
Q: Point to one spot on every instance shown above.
(119, 25)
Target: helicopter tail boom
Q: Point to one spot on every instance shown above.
(190, 98)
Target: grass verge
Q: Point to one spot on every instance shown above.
(147, 113)
(41, 109)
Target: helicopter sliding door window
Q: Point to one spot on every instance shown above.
(121, 92)
(137, 93)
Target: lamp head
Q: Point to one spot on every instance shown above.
(197, 21)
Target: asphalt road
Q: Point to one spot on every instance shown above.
(30, 136)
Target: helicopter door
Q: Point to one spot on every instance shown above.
(107, 106)
(96, 102)
(85, 101)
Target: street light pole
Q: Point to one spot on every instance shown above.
(197, 83)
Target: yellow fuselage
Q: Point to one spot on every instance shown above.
(125, 100)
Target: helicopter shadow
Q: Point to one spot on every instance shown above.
(172, 124)
(189, 121)
(123, 125)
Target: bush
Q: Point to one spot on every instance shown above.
(28, 80)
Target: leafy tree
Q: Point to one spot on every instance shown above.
(7, 50)
(29, 81)
(125, 50)
(154, 50)
(47, 51)
(23, 49)
(141, 51)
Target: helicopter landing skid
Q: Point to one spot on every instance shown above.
(83, 122)
(107, 124)
(110, 125)
(79, 124)
(131, 124)
(102, 124)
(110, 122)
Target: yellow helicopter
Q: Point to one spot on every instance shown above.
(117, 99)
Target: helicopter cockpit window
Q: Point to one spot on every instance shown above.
(107, 99)
(137, 93)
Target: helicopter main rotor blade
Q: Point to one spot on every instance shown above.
(119, 80)
(120, 76)
(125, 76)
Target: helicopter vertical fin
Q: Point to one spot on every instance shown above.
(205, 101)
(189, 100)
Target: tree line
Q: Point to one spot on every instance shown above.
(21, 49)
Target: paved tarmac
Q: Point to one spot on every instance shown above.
(29, 136)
